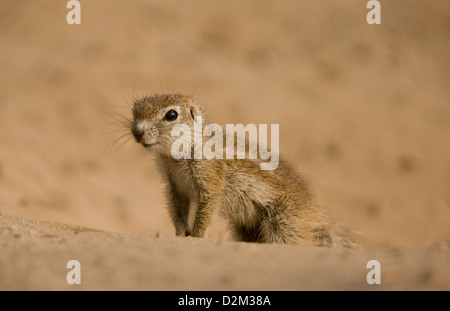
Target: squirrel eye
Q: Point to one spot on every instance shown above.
(171, 115)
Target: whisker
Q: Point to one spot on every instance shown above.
(134, 84)
(160, 82)
(121, 146)
(115, 131)
(127, 102)
(118, 144)
(112, 144)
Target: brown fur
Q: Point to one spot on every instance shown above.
(259, 205)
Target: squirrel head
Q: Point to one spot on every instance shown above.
(155, 116)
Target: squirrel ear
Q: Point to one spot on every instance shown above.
(193, 112)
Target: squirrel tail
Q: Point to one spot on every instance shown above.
(344, 237)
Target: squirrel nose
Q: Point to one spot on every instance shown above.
(137, 132)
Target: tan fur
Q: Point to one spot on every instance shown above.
(259, 205)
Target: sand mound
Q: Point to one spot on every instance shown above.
(35, 254)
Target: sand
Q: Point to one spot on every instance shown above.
(363, 111)
(35, 254)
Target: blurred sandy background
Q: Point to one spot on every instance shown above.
(363, 109)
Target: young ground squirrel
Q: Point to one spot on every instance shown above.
(259, 205)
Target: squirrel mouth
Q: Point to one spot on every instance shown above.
(147, 145)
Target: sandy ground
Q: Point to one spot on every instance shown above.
(34, 255)
(363, 111)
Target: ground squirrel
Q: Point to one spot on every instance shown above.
(259, 205)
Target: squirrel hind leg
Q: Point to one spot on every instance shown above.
(246, 234)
